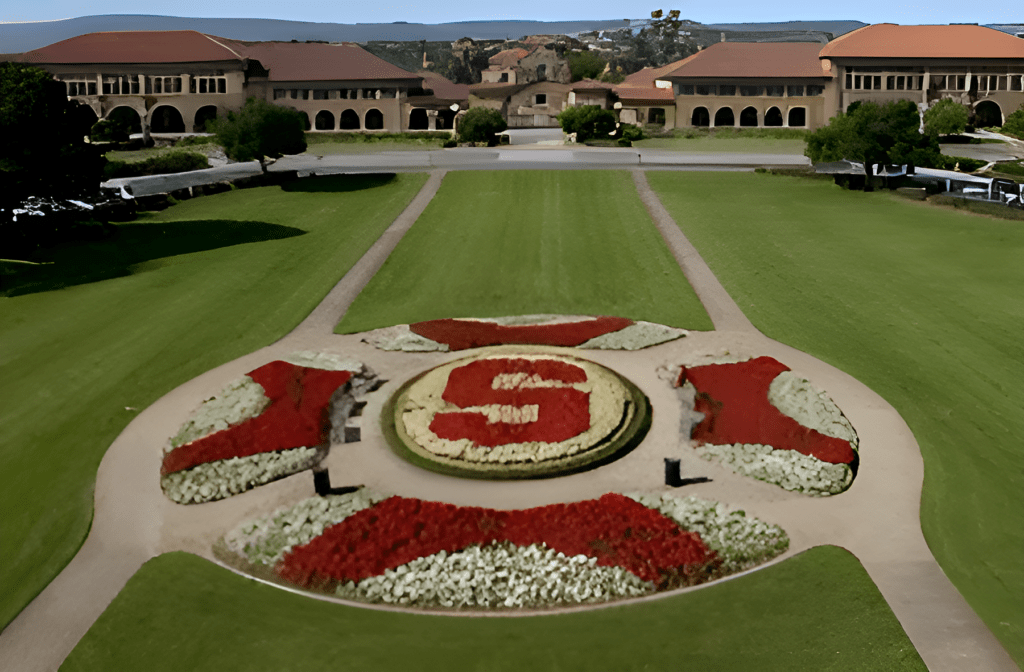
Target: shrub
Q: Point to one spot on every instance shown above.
(632, 133)
(260, 129)
(946, 117)
(870, 132)
(174, 162)
(587, 122)
(480, 124)
(449, 143)
(1014, 124)
(585, 65)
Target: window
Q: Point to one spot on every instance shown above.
(774, 90)
(750, 90)
(1016, 83)
(83, 88)
(111, 86)
(816, 90)
(794, 90)
(540, 99)
(706, 90)
(686, 89)
(320, 94)
(504, 77)
(727, 90)
(280, 93)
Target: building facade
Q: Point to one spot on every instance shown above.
(979, 67)
(752, 84)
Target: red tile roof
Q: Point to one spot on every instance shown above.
(753, 60)
(887, 40)
(317, 62)
(508, 58)
(590, 84)
(646, 76)
(443, 88)
(156, 46)
(634, 94)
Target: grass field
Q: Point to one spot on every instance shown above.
(324, 144)
(525, 242)
(746, 140)
(818, 611)
(921, 304)
(120, 323)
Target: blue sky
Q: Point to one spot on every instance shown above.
(386, 11)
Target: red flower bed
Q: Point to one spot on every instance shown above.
(614, 529)
(296, 416)
(734, 401)
(563, 412)
(464, 334)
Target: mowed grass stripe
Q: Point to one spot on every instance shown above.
(921, 304)
(816, 611)
(174, 295)
(527, 242)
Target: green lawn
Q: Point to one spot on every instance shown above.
(921, 304)
(120, 323)
(817, 611)
(526, 242)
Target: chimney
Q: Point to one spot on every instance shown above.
(723, 37)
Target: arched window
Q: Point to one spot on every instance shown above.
(418, 120)
(166, 119)
(773, 117)
(748, 117)
(987, 114)
(203, 115)
(374, 120)
(324, 121)
(725, 117)
(700, 117)
(798, 117)
(349, 120)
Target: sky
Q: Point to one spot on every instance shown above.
(445, 11)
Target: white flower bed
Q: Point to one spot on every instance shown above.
(607, 397)
(796, 397)
(266, 540)
(498, 575)
(742, 542)
(240, 400)
(787, 469)
(635, 337)
(223, 478)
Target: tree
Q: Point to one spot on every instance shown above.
(946, 117)
(587, 122)
(1014, 124)
(869, 132)
(260, 129)
(480, 124)
(585, 65)
(43, 150)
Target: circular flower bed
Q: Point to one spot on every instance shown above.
(516, 415)
(763, 421)
(599, 333)
(374, 548)
(264, 426)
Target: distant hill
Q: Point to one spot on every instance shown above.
(837, 28)
(22, 37)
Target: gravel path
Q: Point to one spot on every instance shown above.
(877, 519)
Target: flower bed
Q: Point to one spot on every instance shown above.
(408, 551)
(516, 415)
(262, 427)
(605, 333)
(763, 421)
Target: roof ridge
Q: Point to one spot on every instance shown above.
(220, 44)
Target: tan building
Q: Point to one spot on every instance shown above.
(537, 105)
(646, 98)
(977, 66)
(176, 80)
(172, 80)
(591, 92)
(752, 84)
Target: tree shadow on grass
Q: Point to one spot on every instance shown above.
(339, 183)
(128, 250)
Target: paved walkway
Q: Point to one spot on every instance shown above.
(877, 519)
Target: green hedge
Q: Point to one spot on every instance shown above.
(174, 162)
(357, 137)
